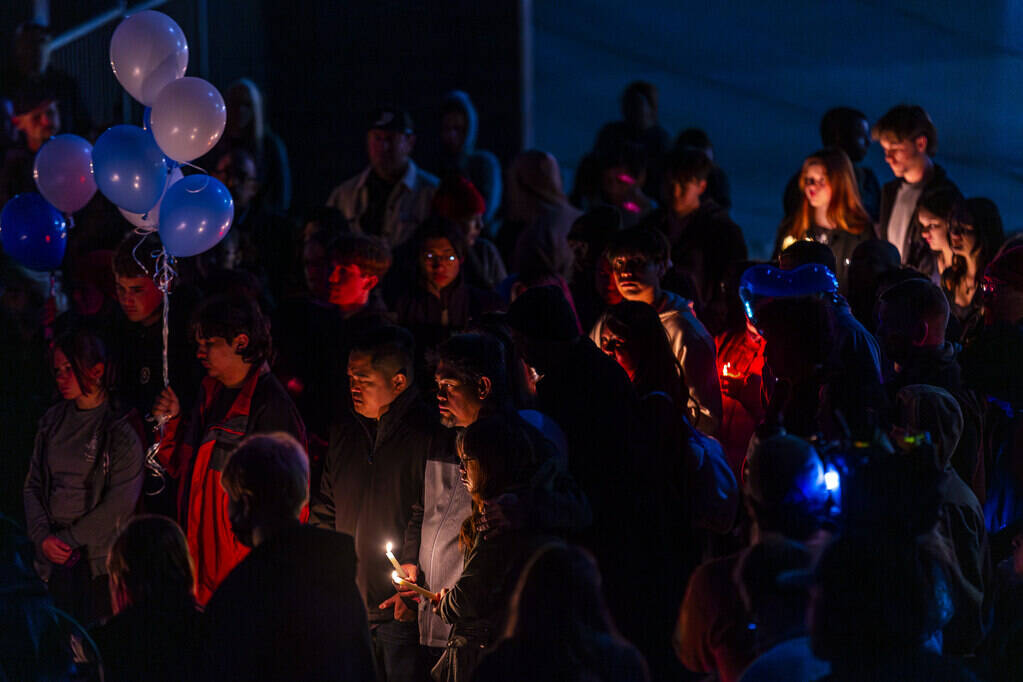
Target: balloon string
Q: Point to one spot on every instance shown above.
(201, 170)
(163, 277)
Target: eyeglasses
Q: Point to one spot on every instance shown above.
(431, 257)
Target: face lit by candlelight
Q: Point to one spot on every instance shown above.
(617, 349)
(816, 185)
(934, 230)
(904, 156)
(372, 390)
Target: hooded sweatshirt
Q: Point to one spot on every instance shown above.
(481, 167)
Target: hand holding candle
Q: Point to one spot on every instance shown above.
(394, 562)
(406, 585)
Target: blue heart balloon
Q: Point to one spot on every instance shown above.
(129, 168)
(767, 281)
(195, 214)
(33, 232)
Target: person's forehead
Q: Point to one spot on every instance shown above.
(133, 282)
(889, 139)
(438, 245)
(360, 362)
(445, 372)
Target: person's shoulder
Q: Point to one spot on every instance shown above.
(425, 180)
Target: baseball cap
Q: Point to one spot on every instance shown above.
(388, 118)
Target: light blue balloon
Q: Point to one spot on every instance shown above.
(195, 214)
(129, 168)
(33, 232)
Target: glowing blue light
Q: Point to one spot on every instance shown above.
(831, 480)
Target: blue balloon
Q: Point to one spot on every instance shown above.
(766, 281)
(129, 167)
(145, 119)
(33, 232)
(195, 214)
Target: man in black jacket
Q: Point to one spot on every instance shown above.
(372, 485)
(290, 610)
(909, 140)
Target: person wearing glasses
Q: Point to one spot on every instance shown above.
(639, 259)
(440, 303)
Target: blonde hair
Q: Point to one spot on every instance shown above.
(845, 210)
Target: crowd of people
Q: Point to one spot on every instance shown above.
(473, 427)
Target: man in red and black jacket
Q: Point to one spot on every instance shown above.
(238, 397)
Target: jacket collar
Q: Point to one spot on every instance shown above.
(243, 402)
(409, 179)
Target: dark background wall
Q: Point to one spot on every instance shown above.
(756, 75)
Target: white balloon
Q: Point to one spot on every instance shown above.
(147, 51)
(188, 118)
(151, 218)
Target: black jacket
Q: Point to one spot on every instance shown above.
(915, 250)
(150, 643)
(372, 487)
(290, 611)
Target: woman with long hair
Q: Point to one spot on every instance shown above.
(85, 476)
(497, 458)
(975, 240)
(937, 211)
(831, 211)
(580, 642)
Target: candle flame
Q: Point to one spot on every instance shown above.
(389, 546)
(394, 577)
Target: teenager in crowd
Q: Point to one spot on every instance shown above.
(975, 241)
(459, 201)
(85, 477)
(640, 258)
(239, 396)
(909, 140)
(830, 211)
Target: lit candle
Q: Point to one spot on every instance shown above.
(394, 562)
(404, 584)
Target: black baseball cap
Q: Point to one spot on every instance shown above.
(388, 118)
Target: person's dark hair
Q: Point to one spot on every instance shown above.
(436, 227)
(639, 326)
(371, 254)
(836, 121)
(945, 202)
(228, 316)
(907, 122)
(84, 350)
(798, 327)
(647, 91)
(917, 299)
(150, 559)
(624, 154)
(803, 252)
(494, 325)
(783, 489)
(982, 215)
(331, 220)
(562, 579)
(693, 138)
(392, 350)
(136, 256)
(498, 451)
(272, 471)
(761, 576)
(637, 241)
(472, 356)
(686, 165)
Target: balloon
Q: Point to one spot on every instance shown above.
(33, 232)
(188, 118)
(147, 51)
(767, 281)
(129, 168)
(145, 119)
(63, 172)
(195, 215)
(151, 218)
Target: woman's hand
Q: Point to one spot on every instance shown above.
(56, 550)
(440, 598)
(166, 406)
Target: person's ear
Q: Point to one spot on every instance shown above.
(662, 269)
(371, 282)
(399, 382)
(921, 332)
(701, 187)
(921, 144)
(241, 342)
(484, 388)
(96, 373)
